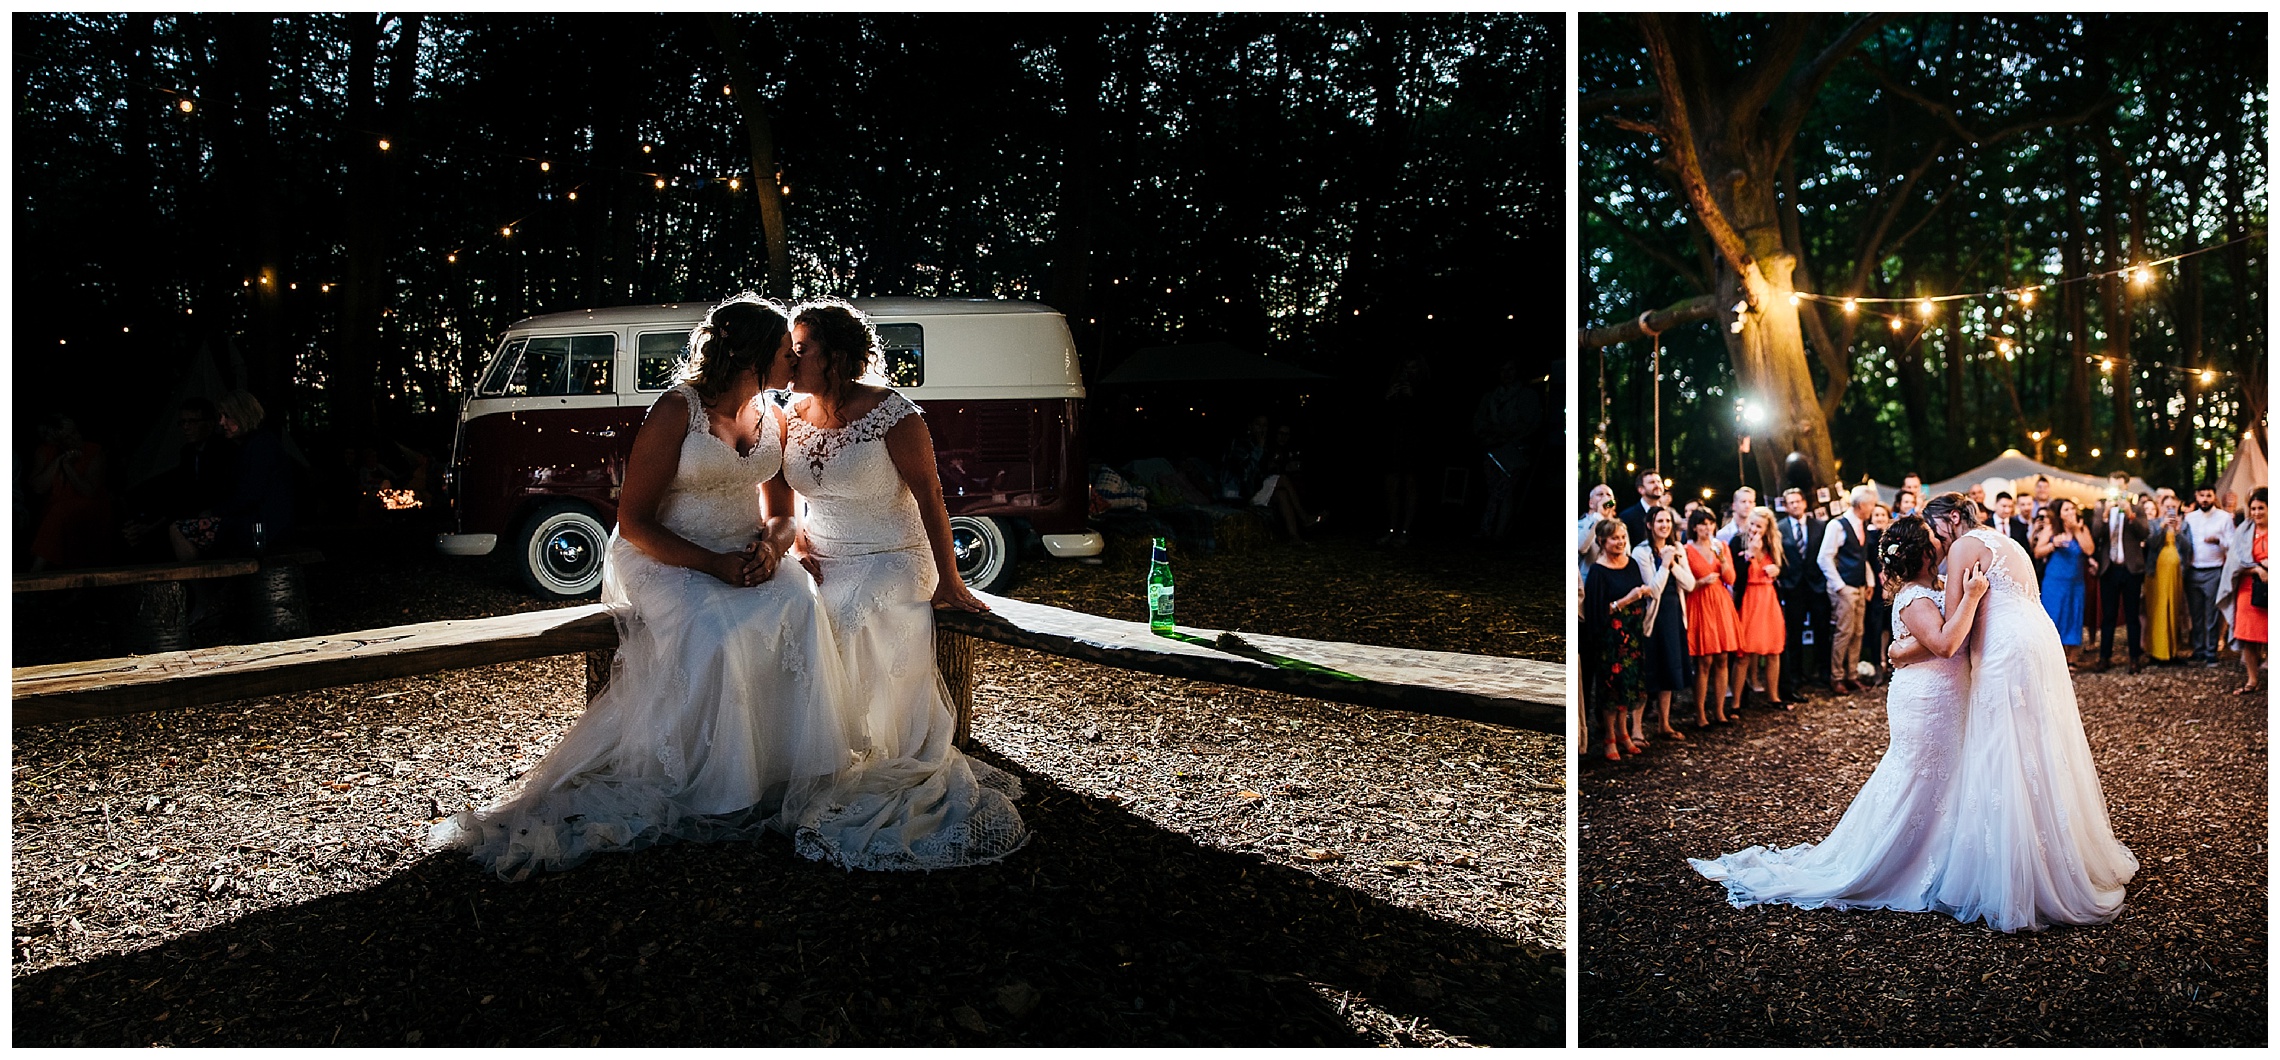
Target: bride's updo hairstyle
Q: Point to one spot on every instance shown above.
(1951, 503)
(1903, 549)
(850, 344)
(738, 335)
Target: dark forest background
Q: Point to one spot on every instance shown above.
(1939, 154)
(341, 212)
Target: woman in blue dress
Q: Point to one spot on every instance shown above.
(2063, 543)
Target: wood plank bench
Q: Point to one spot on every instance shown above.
(1523, 693)
(159, 619)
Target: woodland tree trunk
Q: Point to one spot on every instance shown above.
(762, 138)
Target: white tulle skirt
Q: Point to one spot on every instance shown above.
(2033, 844)
(721, 719)
(1891, 846)
(910, 800)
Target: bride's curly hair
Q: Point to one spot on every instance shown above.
(1904, 548)
(851, 349)
(741, 333)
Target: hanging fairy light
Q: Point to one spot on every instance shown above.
(184, 105)
(1925, 307)
(384, 144)
(1852, 305)
(545, 166)
(660, 184)
(735, 184)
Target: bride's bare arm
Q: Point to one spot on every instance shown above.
(1944, 638)
(1966, 554)
(778, 516)
(656, 458)
(913, 452)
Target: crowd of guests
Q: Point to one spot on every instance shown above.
(230, 492)
(1761, 604)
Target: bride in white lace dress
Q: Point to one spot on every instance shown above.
(720, 717)
(2033, 846)
(1889, 849)
(876, 536)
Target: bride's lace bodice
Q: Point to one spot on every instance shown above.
(856, 501)
(714, 499)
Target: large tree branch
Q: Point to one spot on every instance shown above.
(1866, 255)
(1624, 97)
(1953, 119)
(1771, 68)
(1678, 136)
(1668, 259)
(1797, 99)
(1702, 307)
(1643, 128)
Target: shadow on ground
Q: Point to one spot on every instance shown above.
(1106, 930)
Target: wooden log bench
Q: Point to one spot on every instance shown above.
(1522, 693)
(158, 617)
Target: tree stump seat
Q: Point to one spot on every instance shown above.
(1523, 693)
(157, 608)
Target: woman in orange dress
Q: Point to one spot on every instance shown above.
(2249, 569)
(76, 529)
(1711, 633)
(1758, 553)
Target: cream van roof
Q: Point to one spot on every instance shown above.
(691, 312)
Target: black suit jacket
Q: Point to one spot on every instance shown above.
(1635, 520)
(1803, 570)
(2134, 533)
(2022, 532)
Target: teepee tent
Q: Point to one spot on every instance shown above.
(2247, 470)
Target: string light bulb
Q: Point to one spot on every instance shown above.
(661, 184)
(2139, 274)
(545, 166)
(1895, 323)
(506, 231)
(185, 106)
(735, 184)
(2169, 450)
(2130, 454)
(1925, 307)
(384, 144)
(451, 258)
(2062, 448)
(2095, 453)
(573, 196)
(1793, 300)
(2027, 297)
(2106, 365)
(1851, 306)
(2208, 377)
(645, 149)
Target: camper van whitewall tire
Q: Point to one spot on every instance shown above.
(560, 549)
(985, 552)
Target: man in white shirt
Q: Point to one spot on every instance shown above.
(1745, 502)
(2207, 529)
(1843, 560)
(1601, 506)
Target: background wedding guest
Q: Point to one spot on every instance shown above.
(1713, 630)
(1614, 610)
(1660, 560)
(2015, 525)
(259, 513)
(2248, 571)
(1804, 594)
(2166, 626)
(1843, 560)
(2117, 538)
(2208, 535)
(1651, 496)
(1404, 451)
(1758, 554)
(1600, 506)
(75, 527)
(1876, 622)
(1502, 422)
(2065, 547)
(1738, 514)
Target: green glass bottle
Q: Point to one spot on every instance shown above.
(1159, 590)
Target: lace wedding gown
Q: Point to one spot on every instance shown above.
(1888, 850)
(720, 716)
(911, 800)
(2033, 845)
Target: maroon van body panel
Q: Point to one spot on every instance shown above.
(1018, 459)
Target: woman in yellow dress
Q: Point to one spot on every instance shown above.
(2165, 622)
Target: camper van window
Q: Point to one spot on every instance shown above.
(906, 355)
(552, 366)
(658, 359)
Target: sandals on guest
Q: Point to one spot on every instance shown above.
(1672, 734)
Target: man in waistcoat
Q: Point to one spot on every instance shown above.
(1843, 559)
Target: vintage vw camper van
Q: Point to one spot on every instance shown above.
(543, 436)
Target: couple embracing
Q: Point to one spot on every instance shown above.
(775, 667)
(1986, 805)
